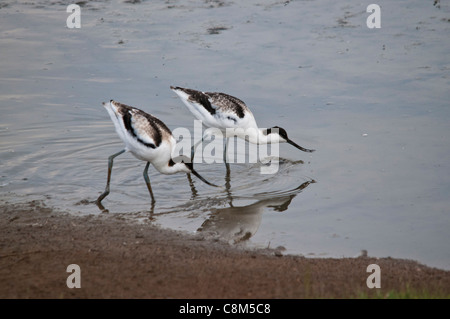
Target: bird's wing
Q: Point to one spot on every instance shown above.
(146, 128)
(215, 109)
(197, 103)
(227, 104)
(231, 112)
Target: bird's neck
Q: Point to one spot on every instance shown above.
(251, 135)
(264, 138)
(171, 167)
(261, 138)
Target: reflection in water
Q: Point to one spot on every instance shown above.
(152, 205)
(52, 129)
(237, 224)
(233, 224)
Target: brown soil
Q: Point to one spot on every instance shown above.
(119, 259)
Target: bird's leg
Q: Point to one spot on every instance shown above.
(147, 181)
(227, 176)
(225, 157)
(194, 147)
(108, 180)
(191, 184)
(228, 187)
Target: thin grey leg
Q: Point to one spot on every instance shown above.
(191, 184)
(194, 147)
(228, 174)
(147, 181)
(108, 180)
(225, 156)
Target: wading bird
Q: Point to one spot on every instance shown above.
(149, 140)
(223, 111)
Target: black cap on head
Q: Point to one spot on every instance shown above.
(187, 161)
(282, 132)
(276, 129)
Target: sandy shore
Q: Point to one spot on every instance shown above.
(119, 259)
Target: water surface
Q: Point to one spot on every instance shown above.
(374, 103)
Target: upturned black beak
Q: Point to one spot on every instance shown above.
(299, 147)
(201, 178)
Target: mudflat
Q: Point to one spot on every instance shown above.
(122, 259)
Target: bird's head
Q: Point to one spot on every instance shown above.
(278, 134)
(184, 164)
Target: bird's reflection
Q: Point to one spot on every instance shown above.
(237, 224)
(152, 204)
(233, 224)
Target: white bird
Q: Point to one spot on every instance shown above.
(149, 140)
(223, 111)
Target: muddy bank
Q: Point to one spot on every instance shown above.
(119, 259)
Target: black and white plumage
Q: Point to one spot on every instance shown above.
(148, 139)
(223, 111)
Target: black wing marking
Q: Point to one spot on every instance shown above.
(198, 97)
(128, 125)
(214, 101)
(136, 120)
(228, 103)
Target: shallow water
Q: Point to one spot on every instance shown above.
(374, 103)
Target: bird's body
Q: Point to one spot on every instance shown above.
(219, 110)
(226, 112)
(148, 139)
(145, 136)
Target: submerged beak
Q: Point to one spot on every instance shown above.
(202, 179)
(299, 147)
